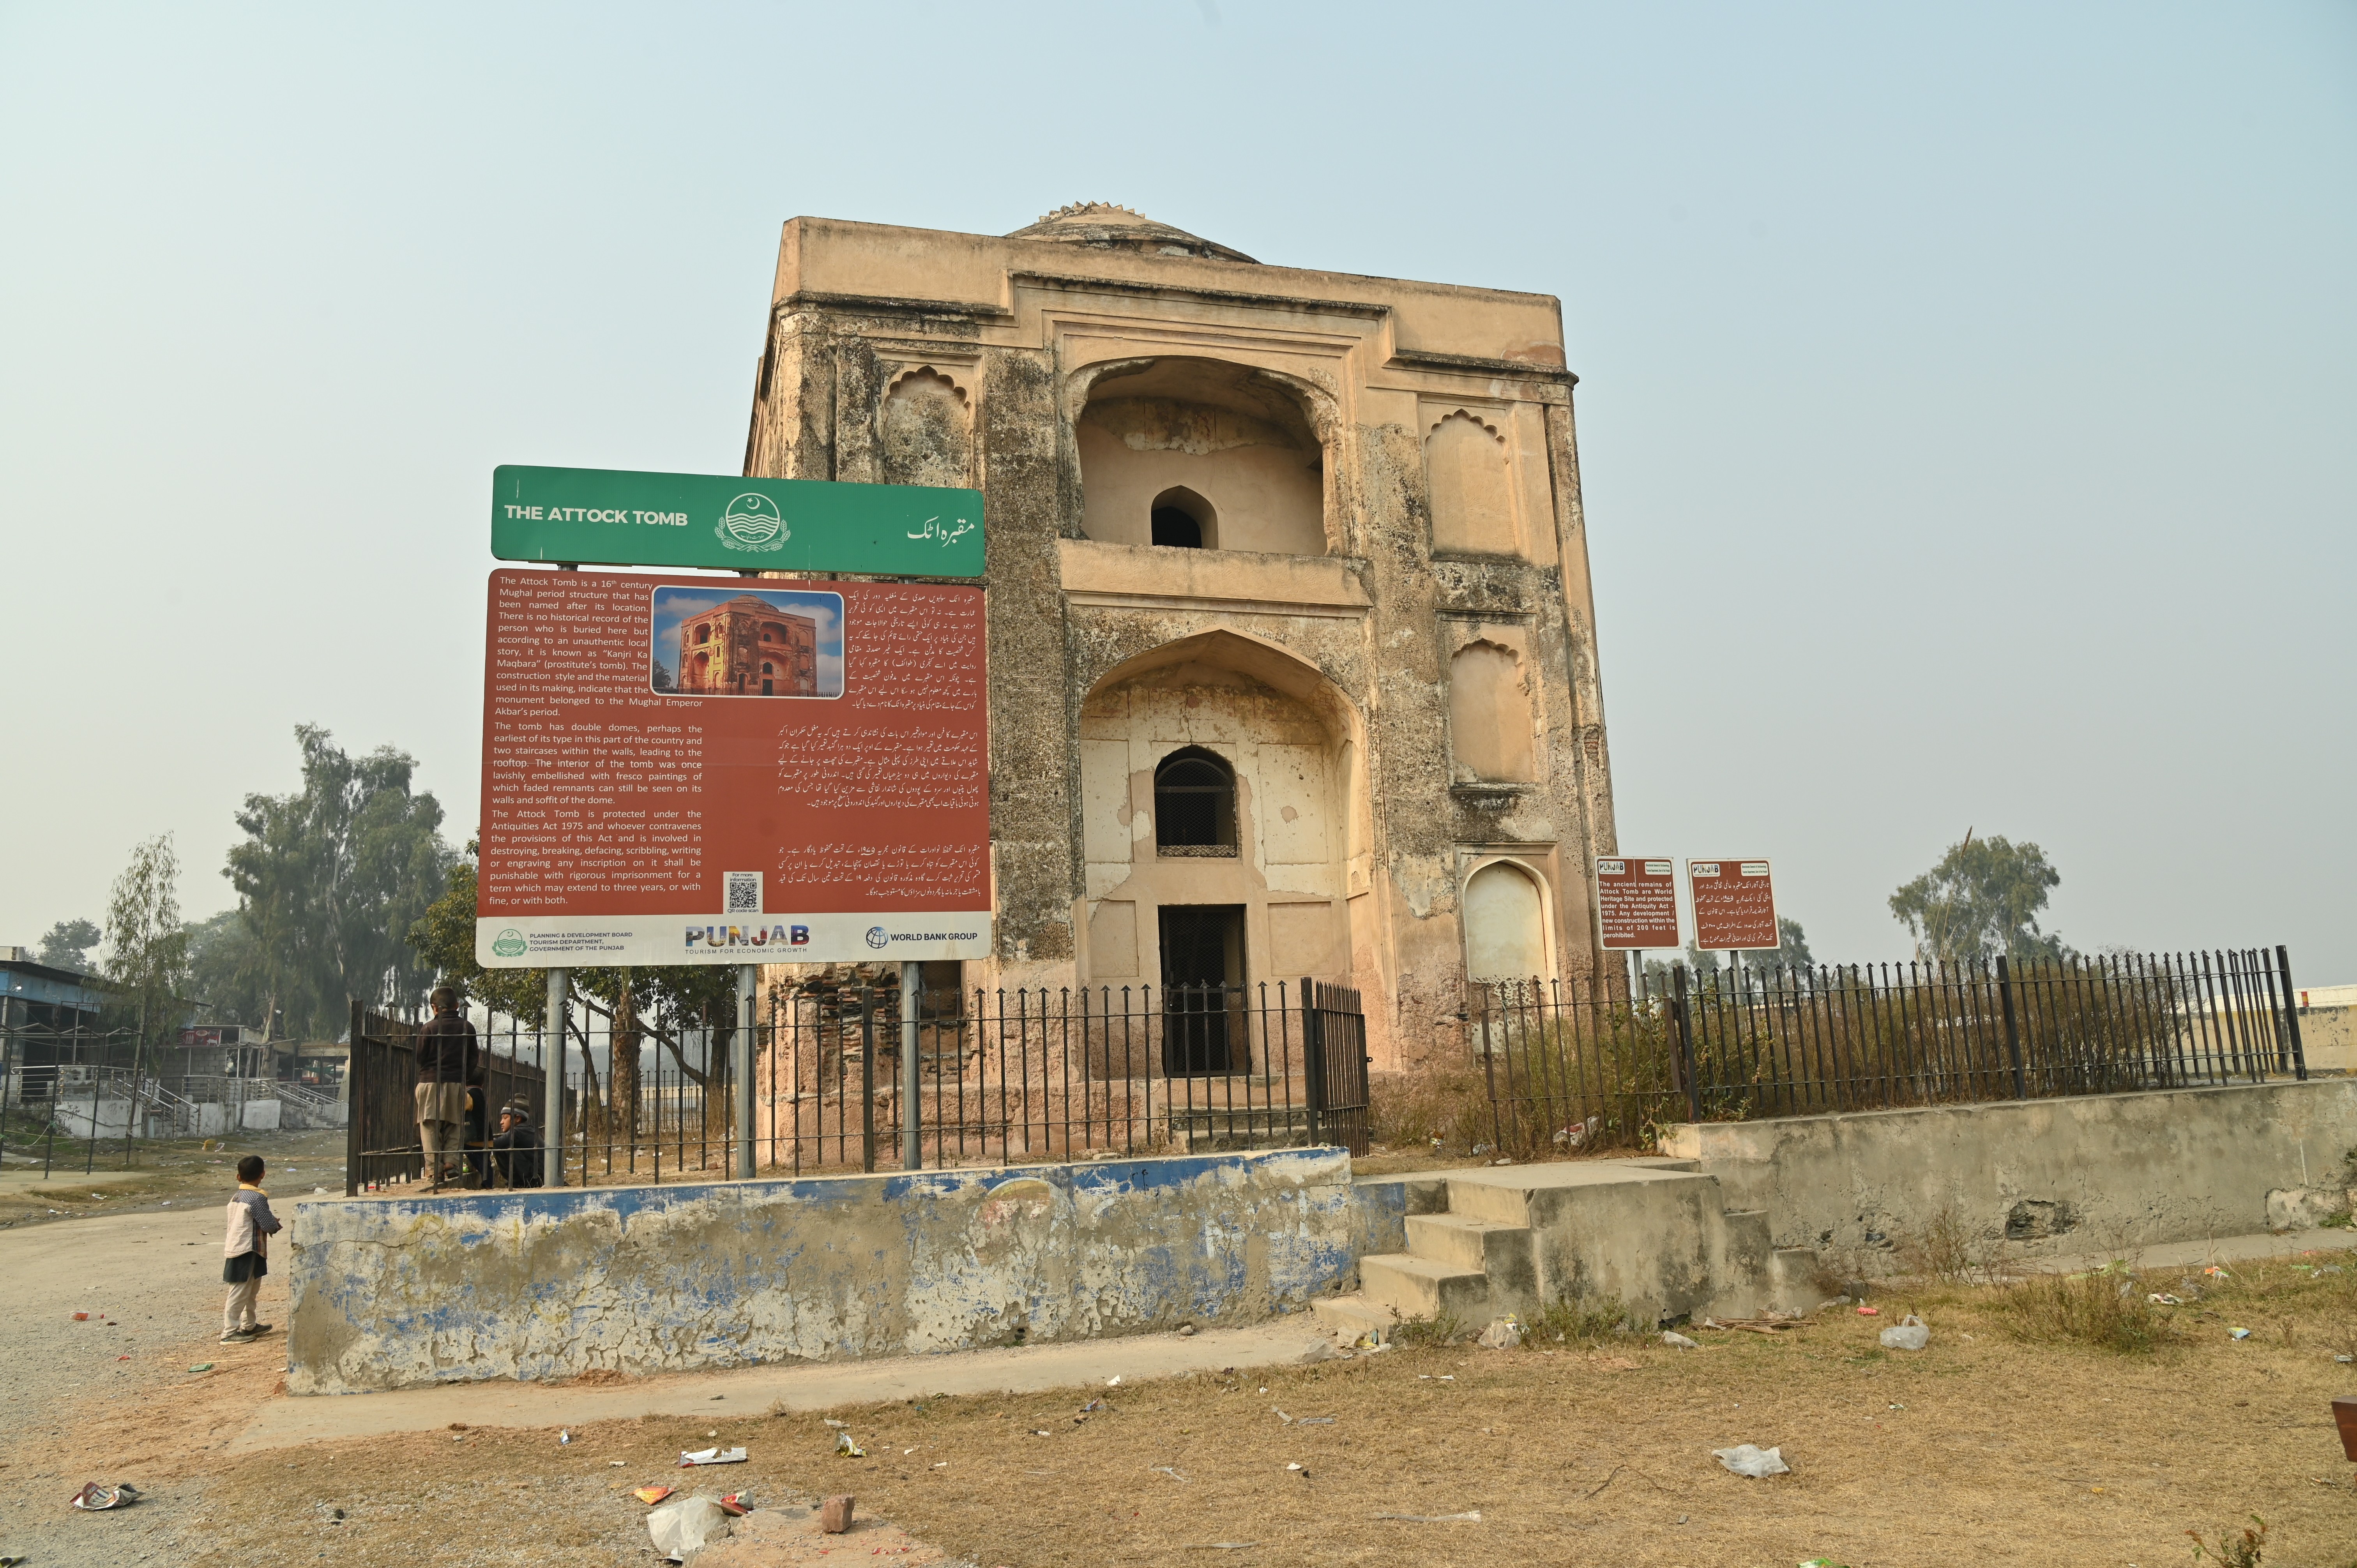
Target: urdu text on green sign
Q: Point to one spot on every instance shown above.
(606, 517)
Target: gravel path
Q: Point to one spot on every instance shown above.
(112, 1398)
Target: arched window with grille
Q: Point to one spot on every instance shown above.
(1195, 805)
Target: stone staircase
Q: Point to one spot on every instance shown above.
(1478, 1244)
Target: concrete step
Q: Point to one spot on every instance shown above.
(1463, 1242)
(1420, 1287)
(1350, 1318)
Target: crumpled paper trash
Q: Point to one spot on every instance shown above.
(687, 1525)
(1677, 1341)
(1757, 1462)
(1503, 1334)
(1910, 1333)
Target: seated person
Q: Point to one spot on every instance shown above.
(515, 1148)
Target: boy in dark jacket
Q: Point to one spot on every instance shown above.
(245, 1252)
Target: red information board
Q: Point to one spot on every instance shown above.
(699, 769)
(1733, 904)
(1636, 901)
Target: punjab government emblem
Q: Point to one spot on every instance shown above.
(752, 522)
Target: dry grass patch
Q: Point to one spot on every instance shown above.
(1985, 1448)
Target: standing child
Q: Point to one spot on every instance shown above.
(247, 1252)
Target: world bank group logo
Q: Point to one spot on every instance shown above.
(508, 943)
(753, 522)
(877, 938)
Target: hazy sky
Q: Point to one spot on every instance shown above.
(1966, 400)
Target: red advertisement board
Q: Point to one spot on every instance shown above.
(1734, 905)
(1636, 901)
(700, 770)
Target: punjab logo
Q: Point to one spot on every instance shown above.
(753, 522)
(508, 943)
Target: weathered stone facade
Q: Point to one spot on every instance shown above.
(1323, 529)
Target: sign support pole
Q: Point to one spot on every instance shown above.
(748, 980)
(551, 1067)
(912, 1142)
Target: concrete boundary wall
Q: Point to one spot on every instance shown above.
(2069, 1175)
(403, 1292)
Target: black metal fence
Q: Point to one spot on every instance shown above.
(992, 1077)
(380, 1142)
(1040, 1075)
(1577, 1063)
(72, 1099)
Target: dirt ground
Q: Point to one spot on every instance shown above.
(1981, 1449)
(160, 1174)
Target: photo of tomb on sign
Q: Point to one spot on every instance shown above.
(1636, 901)
(717, 771)
(1734, 905)
(764, 642)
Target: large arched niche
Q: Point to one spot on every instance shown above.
(1291, 739)
(1507, 933)
(1242, 445)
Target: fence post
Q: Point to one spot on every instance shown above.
(2012, 1034)
(355, 1103)
(1686, 1043)
(1313, 1061)
(912, 1146)
(89, 1157)
(868, 1079)
(2291, 1012)
(552, 1068)
(740, 1065)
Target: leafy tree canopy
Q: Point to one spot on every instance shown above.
(147, 947)
(1791, 951)
(68, 943)
(1980, 901)
(227, 971)
(330, 879)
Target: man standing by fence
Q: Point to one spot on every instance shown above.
(446, 1055)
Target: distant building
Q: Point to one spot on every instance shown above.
(2328, 1028)
(46, 996)
(748, 648)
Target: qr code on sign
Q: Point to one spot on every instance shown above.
(744, 892)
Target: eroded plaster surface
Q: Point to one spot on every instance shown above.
(2076, 1174)
(405, 1292)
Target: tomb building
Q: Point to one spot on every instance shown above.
(1293, 663)
(748, 648)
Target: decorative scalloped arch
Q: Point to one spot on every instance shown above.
(937, 373)
(1469, 416)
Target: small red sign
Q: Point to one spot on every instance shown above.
(1636, 901)
(1734, 905)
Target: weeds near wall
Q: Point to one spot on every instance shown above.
(2104, 1308)
(1577, 1320)
(1443, 1108)
(1423, 1333)
(1941, 1251)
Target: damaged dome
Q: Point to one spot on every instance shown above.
(1111, 227)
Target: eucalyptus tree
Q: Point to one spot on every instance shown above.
(331, 877)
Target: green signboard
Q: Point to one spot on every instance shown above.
(608, 517)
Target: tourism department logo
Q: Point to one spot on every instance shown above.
(509, 943)
(753, 522)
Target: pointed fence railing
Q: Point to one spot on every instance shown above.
(1577, 1063)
